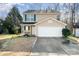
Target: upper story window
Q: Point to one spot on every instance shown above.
(30, 17)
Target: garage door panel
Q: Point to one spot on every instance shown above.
(49, 32)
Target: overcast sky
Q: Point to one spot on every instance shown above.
(5, 7)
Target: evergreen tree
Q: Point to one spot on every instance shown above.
(12, 22)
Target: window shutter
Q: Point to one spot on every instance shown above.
(25, 17)
(34, 17)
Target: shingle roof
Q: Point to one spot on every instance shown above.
(29, 11)
(39, 11)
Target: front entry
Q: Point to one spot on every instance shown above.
(28, 30)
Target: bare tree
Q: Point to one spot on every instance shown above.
(72, 9)
(57, 8)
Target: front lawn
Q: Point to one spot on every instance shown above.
(6, 36)
(74, 38)
(20, 46)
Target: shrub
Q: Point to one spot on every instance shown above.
(66, 32)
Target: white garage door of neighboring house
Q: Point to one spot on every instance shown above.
(50, 31)
(77, 32)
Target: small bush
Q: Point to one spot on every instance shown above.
(66, 32)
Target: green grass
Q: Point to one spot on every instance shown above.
(74, 39)
(6, 36)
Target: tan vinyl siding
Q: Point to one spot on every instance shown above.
(40, 17)
(34, 30)
(53, 23)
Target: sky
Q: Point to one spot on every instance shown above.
(6, 7)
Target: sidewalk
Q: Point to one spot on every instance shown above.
(46, 54)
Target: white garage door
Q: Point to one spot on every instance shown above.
(50, 31)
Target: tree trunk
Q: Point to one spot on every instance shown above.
(72, 18)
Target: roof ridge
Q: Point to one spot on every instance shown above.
(46, 11)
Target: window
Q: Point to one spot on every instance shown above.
(30, 17)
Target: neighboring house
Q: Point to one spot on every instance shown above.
(76, 29)
(42, 23)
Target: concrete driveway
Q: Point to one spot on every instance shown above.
(48, 46)
(53, 46)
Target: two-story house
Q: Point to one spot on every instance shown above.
(42, 23)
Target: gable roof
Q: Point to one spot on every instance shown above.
(53, 19)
